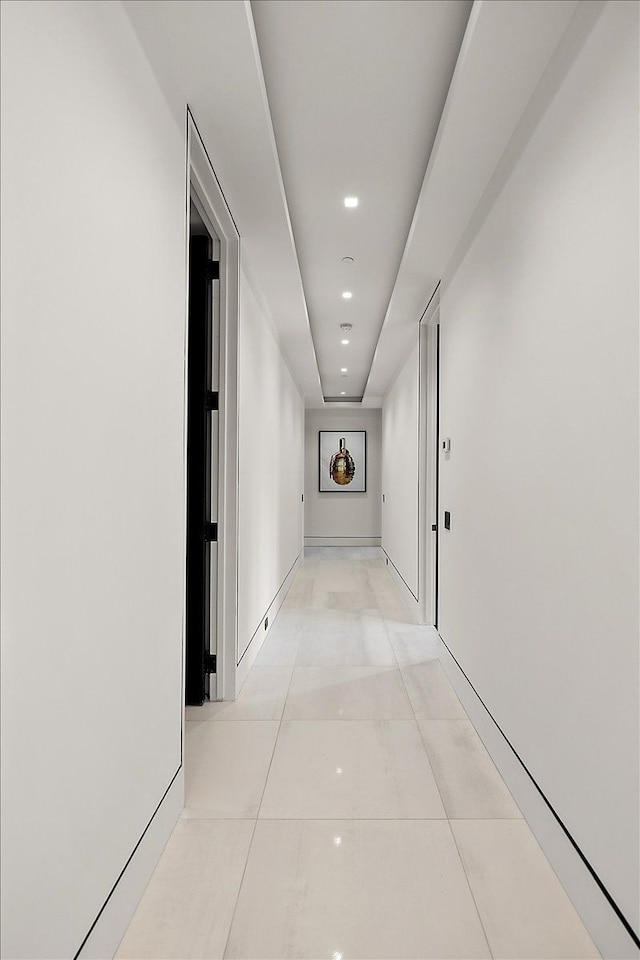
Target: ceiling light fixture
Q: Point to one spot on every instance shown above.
(343, 369)
(344, 341)
(347, 259)
(351, 201)
(347, 295)
(343, 393)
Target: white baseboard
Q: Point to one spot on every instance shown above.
(260, 634)
(342, 541)
(117, 912)
(605, 928)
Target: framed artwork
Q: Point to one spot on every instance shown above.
(343, 461)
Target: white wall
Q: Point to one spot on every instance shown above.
(350, 519)
(539, 364)
(400, 472)
(271, 439)
(93, 314)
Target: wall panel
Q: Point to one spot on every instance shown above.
(539, 362)
(93, 326)
(271, 445)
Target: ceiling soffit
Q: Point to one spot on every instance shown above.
(507, 48)
(205, 54)
(356, 91)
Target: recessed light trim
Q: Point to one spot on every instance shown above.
(346, 295)
(351, 202)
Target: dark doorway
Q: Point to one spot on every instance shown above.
(202, 433)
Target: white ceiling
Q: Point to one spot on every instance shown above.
(301, 103)
(356, 91)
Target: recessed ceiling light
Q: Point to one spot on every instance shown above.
(344, 341)
(351, 201)
(343, 369)
(343, 393)
(347, 259)
(347, 295)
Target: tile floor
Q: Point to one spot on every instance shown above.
(343, 808)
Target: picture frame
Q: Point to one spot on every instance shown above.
(342, 469)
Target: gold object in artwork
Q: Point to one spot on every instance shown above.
(342, 467)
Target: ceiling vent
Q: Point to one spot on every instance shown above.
(343, 399)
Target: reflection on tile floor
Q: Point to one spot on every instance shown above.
(343, 808)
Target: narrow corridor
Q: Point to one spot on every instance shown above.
(344, 807)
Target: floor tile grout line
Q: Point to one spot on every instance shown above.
(409, 697)
(420, 720)
(440, 819)
(255, 826)
(350, 819)
(244, 871)
(231, 819)
(486, 754)
(435, 779)
(367, 719)
(467, 878)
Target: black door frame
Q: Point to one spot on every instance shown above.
(201, 407)
(202, 184)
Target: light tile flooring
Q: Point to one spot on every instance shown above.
(344, 807)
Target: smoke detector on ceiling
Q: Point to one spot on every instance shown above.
(346, 327)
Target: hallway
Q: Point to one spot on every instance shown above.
(417, 334)
(344, 807)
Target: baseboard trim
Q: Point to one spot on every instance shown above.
(342, 541)
(114, 918)
(606, 929)
(260, 634)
